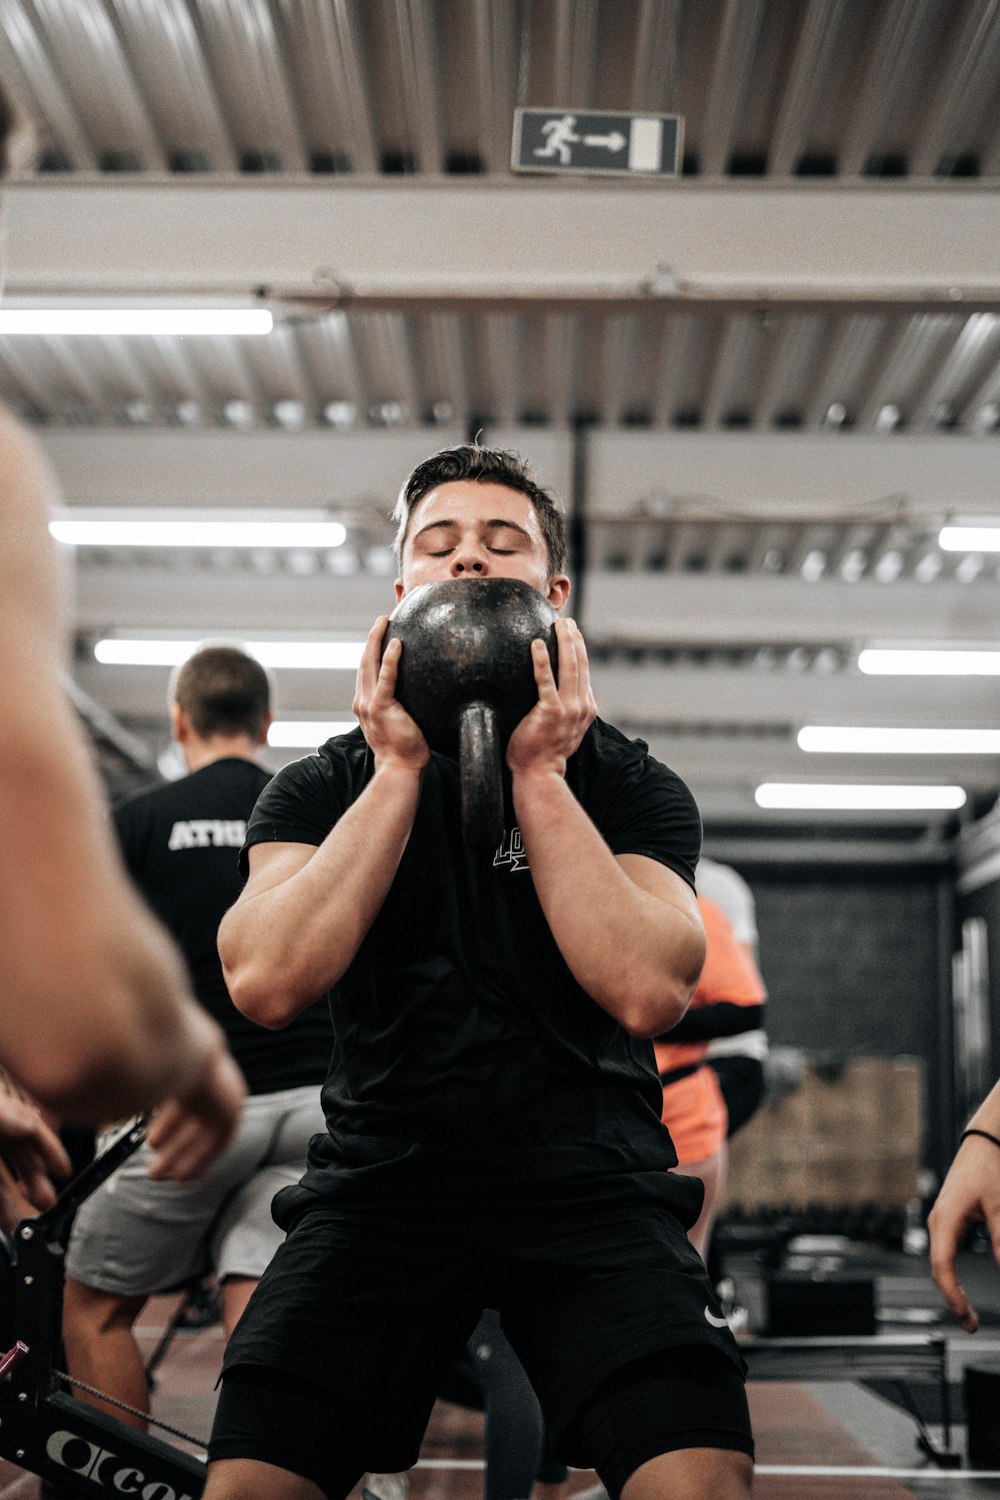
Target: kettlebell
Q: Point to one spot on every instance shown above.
(466, 677)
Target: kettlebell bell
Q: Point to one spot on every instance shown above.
(466, 677)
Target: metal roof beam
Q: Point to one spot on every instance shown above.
(219, 468)
(681, 609)
(382, 244)
(805, 476)
(756, 476)
(723, 695)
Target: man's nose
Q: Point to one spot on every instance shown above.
(469, 561)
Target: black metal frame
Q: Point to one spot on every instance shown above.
(42, 1428)
(896, 1357)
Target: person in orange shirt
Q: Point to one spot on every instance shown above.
(729, 1000)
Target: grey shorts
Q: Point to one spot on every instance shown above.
(134, 1236)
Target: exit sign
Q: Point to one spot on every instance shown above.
(566, 140)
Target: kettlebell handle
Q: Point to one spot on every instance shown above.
(480, 774)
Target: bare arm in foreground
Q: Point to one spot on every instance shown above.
(31, 1155)
(96, 1021)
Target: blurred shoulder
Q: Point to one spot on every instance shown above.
(32, 596)
(27, 486)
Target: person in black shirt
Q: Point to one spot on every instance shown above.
(493, 1110)
(135, 1236)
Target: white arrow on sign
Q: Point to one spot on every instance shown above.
(614, 142)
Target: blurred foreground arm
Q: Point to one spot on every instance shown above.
(95, 1017)
(970, 1194)
(31, 1155)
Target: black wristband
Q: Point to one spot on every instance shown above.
(984, 1133)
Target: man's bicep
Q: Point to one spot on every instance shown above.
(271, 864)
(660, 881)
(682, 923)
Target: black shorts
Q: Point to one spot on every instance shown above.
(372, 1302)
(687, 1397)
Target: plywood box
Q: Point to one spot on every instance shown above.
(841, 1140)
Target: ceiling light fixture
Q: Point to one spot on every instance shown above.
(969, 538)
(833, 797)
(830, 739)
(81, 532)
(326, 656)
(302, 734)
(933, 662)
(123, 322)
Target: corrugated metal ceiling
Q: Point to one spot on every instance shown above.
(891, 88)
(886, 95)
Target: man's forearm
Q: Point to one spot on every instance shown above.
(131, 1036)
(286, 944)
(87, 966)
(987, 1116)
(170, 1040)
(636, 955)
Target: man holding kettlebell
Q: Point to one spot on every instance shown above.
(492, 1106)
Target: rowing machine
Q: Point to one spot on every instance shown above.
(43, 1428)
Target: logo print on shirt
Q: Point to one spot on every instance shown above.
(715, 1322)
(207, 833)
(511, 852)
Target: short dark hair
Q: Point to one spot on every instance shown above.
(223, 691)
(487, 466)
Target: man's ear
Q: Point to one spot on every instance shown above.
(559, 587)
(400, 591)
(265, 726)
(180, 724)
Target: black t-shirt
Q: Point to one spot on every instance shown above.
(464, 1050)
(181, 846)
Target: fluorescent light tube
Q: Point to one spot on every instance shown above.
(832, 739)
(306, 734)
(329, 656)
(969, 538)
(833, 797)
(193, 533)
(127, 321)
(913, 662)
(323, 656)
